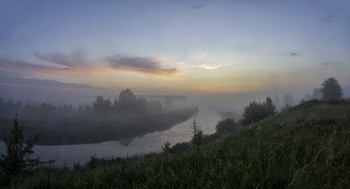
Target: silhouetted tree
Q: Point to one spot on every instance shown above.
(102, 105)
(269, 107)
(257, 111)
(87, 109)
(331, 90)
(126, 97)
(68, 109)
(127, 100)
(128, 103)
(286, 108)
(166, 147)
(31, 108)
(197, 135)
(47, 109)
(225, 126)
(17, 161)
(80, 109)
(252, 113)
(115, 106)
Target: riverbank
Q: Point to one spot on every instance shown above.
(96, 129)
(306, 146)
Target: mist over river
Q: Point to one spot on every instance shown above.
(70, 154)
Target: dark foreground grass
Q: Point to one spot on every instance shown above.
(305, 147)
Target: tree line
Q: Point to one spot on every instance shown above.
(126, 103)
(30, 110)
(330, 91)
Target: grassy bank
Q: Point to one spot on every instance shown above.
(307, 146)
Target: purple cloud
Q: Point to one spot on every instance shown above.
(144, 65)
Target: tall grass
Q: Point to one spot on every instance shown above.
(305, 147)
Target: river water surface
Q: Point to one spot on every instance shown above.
(70, 154)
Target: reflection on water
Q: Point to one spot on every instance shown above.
(69, 154)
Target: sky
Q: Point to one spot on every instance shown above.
(183, 47)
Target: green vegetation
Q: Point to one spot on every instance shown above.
(197, 135)
(99, 128)
(331, 90)
(257, 111)
(225, 126)
(127, 117)
(306, 146)
(17, 162)
(127, 103)
(93, 129)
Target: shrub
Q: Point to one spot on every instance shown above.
(17, 162)
(166, 147)
(225, 126)
(197, 136)
(257, 111)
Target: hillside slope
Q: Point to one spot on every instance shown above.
(307, 146)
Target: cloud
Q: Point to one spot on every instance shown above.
(8, 64)
(68, 69)
(11, 66)
(198, 6)
(210, 66)
(60, 64)
(143, 65)
(328, 19)
(294, 54)
(13, 81)
(72, 60)
(328, 63)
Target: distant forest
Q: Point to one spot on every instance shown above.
(126, 103)
(127, 117)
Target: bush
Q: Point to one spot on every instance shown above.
(257, 111)
(197, 136)
(166, 147)
(17, 161)
(225, 126)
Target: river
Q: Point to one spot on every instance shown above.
(70, 154)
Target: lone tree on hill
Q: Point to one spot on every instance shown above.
(331, 90)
